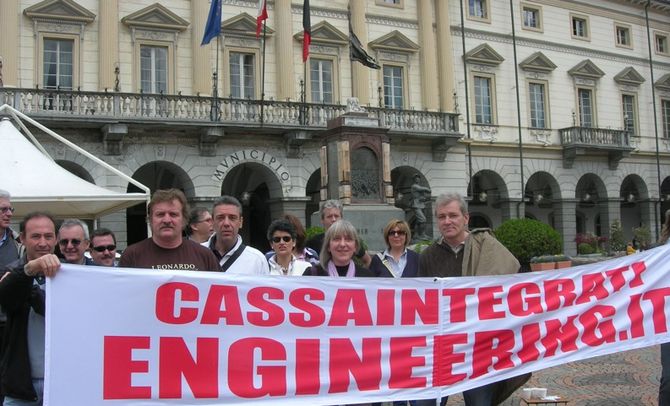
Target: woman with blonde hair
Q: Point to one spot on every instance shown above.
(340, 243)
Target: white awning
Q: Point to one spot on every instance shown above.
(36, 182)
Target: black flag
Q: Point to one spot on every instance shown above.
(357, 53)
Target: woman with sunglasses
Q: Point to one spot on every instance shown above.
(281, 235)
(396, 261)
(340, 243)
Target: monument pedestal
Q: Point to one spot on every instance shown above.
(355, 169)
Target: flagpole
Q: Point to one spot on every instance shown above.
(215, 116)
(263, 70)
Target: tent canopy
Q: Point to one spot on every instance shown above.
(36, 182)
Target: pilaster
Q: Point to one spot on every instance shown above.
(445, 60)
(284, 50)
(108, 43)
(427, 55)
(565, 216)
(360, 74)
(9, 45)
(202, 72)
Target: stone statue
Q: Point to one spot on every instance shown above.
(353, 105)
(420, 195)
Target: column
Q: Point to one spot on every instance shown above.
(108, 43)
(284, 50)
(202, 61)
(445, 60)
(565, 215)
(360, 74)
(609, 210)
(9, 49)
(427, 55)
(648, 217)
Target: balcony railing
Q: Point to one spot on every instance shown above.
(59, 104)
(594, 137)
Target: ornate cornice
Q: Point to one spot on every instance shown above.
(551, 46)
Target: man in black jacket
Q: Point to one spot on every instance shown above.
(22, 296)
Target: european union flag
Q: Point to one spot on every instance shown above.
(213, 26)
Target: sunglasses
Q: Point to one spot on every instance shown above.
(103, 248)
(396, 233)
(64, 242)
(285, 238)
(7, 209)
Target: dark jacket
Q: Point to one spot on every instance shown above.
(411, 269)
(317, 270)
(17, 296)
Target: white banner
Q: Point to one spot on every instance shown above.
(145, 337)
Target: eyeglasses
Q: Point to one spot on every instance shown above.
(285, 238)
(64, 242)
(103, 248)
(396, 233)
(8, 209)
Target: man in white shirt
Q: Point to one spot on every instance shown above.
(234, 256)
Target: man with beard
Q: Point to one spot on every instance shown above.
(166, 248)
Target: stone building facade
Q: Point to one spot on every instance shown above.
(555, 110)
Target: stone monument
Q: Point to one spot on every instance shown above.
(355, 169)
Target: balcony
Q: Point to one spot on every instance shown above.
(579, 141)
(54, 107)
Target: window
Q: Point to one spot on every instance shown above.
(629, 108)
(580, 27)
(665, 110)
(57, 64)
(393, 87)
(661, 42)
(478, 9)
(531, 17)
(153, 69)
(623, 36)
(538, 105)
(483, 100)
(321, 78)
(242, 76)
(585, 101)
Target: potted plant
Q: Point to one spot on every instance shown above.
(542, 263)
(562, 261)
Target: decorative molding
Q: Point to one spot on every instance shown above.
(629, 76)
(542, 136)
(61, 27)
(243, 25)
(325, 33)
(586, 69)
(242, 42)
(391, 22)
(59, 10)
(482, 68)
(208, 139)
(393, 57)
(562, 48)
(537, 62)
(663, 83)
(483, 54)
(486, 132)
(394, 41)
(155, 16)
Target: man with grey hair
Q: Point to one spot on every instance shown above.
(9, 250)
(9, 247)
(331, 211)
(463, 252)
(73, 241)
(226, 243)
